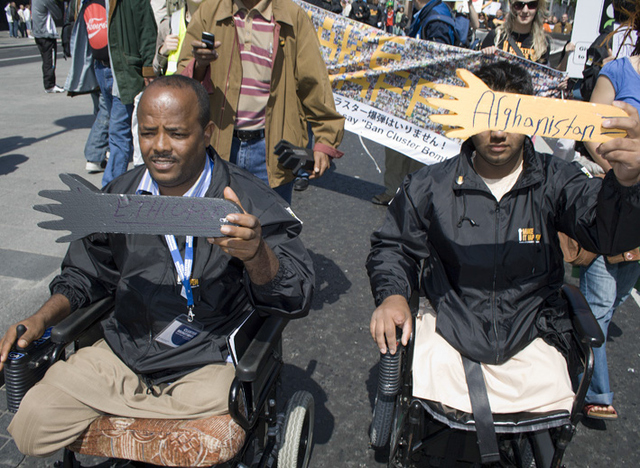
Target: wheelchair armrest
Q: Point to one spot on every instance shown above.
(260, 349)
(74, 325)
(585, 324)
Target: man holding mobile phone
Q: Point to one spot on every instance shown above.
(267, 82)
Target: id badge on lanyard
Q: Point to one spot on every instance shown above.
(183, 328)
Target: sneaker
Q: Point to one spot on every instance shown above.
(55, 89)
(301, 184)
(93, 167)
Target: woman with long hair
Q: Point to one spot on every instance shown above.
(522, 32)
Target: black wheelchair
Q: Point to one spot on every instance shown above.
(256, 433)
(418, 432)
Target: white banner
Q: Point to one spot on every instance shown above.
(585, 30)
(416, 142)
(381, 82)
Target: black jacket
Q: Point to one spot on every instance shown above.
(139, 271)
(360, 11)
(493, 269)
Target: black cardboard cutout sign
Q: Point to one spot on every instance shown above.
(86, 210)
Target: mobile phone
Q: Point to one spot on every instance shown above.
(208, 39)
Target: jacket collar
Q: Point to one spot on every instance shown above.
(220, 177)
(466, 178)
(281, 11)
(263, 7)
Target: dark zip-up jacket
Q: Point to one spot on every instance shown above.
(139, 271)
(493, 269)
(132, 34)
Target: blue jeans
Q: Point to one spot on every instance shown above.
(120, 139)
(605, 287)
(13, 29)
(95, 149)
(252, 156)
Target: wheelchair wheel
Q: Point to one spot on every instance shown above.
(389, 383)
(525, 452)
(382, 420)
(518, 452)
(297, 432)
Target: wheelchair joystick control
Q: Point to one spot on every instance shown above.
(20, 330)
(26, 366)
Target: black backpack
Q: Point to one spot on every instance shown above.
(436, 23)
(67, 28)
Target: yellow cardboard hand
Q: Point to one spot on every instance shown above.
(475, 109)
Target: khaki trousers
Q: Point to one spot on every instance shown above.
(93, 382)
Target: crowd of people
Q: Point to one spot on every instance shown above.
(18, 19)
(204, 91)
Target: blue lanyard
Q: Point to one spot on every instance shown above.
(183, 268)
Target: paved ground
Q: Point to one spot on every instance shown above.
(329, 353)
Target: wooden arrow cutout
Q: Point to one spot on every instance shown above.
(86, 210)
(476, 108)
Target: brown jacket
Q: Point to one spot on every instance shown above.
(300, 88)
(560, 29)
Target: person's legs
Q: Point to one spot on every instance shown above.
(626, 274)
(13, 32)
(48, 420)
(396, 168)
(605, 287)
(252, 156)
(48, 50)
(301, 182)
(599, 289)
(97, 143)
(120, 141)
(94, 381)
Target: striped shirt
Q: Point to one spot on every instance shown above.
(255, 31)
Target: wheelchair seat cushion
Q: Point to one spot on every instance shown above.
(503, 423)
(164, 442)
(534, 380)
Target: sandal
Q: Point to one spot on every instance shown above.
(600, 412)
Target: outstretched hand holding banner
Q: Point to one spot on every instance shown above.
(476, 108)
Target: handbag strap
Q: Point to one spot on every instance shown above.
(515, 47)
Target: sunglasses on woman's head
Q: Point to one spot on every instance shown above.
(519, 6)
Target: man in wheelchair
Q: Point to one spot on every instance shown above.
(477, 235)
(164, 354)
